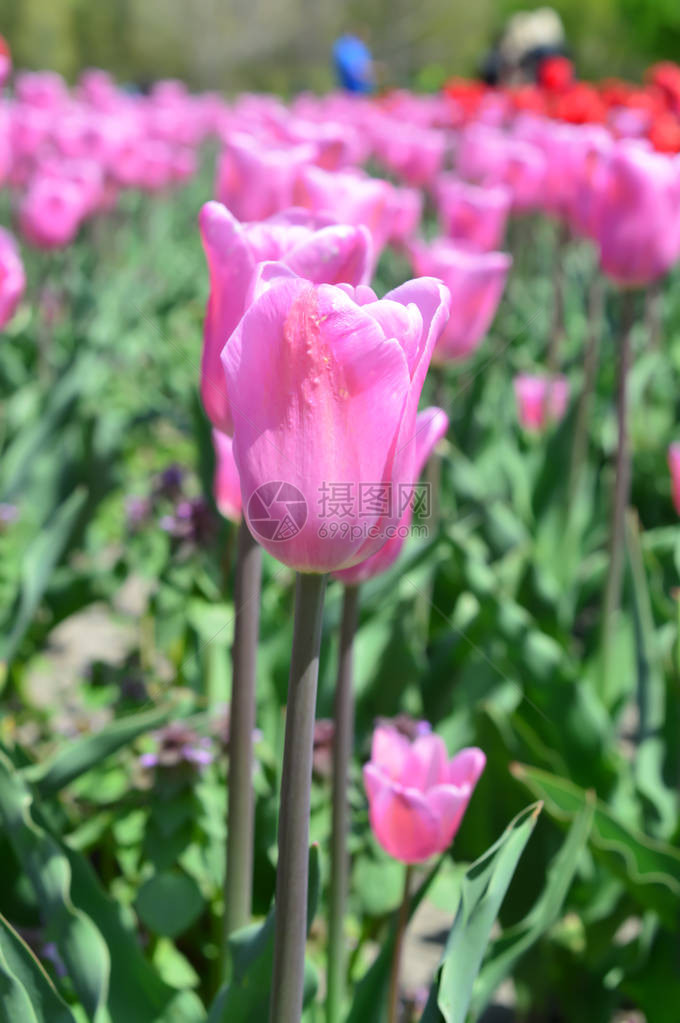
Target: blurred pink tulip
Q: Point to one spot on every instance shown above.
(320, 251)
(476, 281)
(540, 400)
(638, 214)
(470, 215)
(226, 484)
(255, 180)
(417, 796)
(350, 198)
(323, 385)
(431, 425)
(12, 277)
(674, 466)
(491, 157)
(51, 212)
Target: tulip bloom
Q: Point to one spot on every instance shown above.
(226, 484)
(318, 250)
(540, 399)
(470, 215)
(12, 277)
(51, 212)
(255, 180)
(674, 466)
(431, 425)
(476, 281)
(350, 198)
(638, 215)
(417, 796)
(323, 384)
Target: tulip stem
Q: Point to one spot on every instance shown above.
(402, 920)
(292, 872)
(612, 599)
(580, 440)
(558, 325)
(343, 740)
(238, 884)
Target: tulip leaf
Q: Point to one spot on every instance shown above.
(514, 942)
(26, 992)
(80, 944)
(648, 868)
(370, 992)
(38, 563)
(482, 892)
(245, 997)
(651, 692)
(78, 757)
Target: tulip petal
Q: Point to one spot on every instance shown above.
(336, 391)
(389, 750)
(405, 826)
(426, 764)
(467, 766)
(448, 803)
(333, 255)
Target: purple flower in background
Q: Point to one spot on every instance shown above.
(177, 745)
(169, 482)
(8, 513)
(137, 511)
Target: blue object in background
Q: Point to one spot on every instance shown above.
(353, 64)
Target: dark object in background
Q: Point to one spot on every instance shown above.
(527, 41)
(353, 64)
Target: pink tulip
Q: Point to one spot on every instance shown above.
(473, 216)
(323, 385)
(12, 277)
(476, 281)
(490, 157)
(226, 484)
(320, 251)
(416, 156)
(431, 425)
(255, 180)
(51, 212)
(540, 399)
(350, 198)
(638, 214)
(417, 796)
(674, 466)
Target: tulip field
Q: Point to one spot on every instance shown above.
(339, 554)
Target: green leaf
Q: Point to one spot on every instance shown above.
(169, 903)
(80, 756)
(649, 763)
(482, 892)
(78, 940)
(26, 992)
(514, 942)
(38, 563)
(137, 994)
(370, 993)
(246, 996)
(649, 869)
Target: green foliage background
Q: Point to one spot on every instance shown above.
(284, 45)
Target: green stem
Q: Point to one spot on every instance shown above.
(558, 327)
(296, 779)
(612, 599)
(343, 740)
(579, 446)
(238, 886)
(402, 920)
